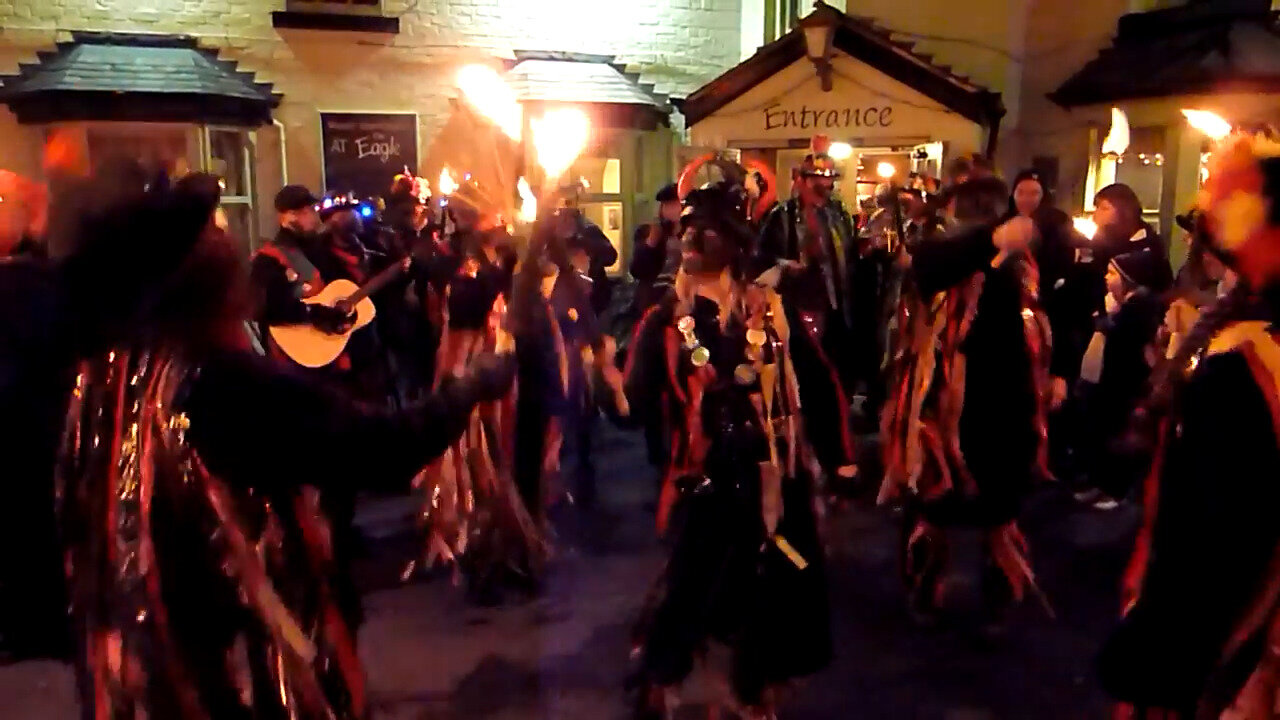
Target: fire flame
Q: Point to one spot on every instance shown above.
(1117, 140)
(493, 98)
(1210, 124)
(559, 137)
(528, 202)
(1085, 226)
(446, 183)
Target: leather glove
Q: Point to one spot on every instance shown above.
(331, 320)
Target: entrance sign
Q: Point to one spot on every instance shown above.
(865, 107)
(362, 152)
(827, 118)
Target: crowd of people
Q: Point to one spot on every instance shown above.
(196, 429)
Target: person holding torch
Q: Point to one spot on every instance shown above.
(1200, 635)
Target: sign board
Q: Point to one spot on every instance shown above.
(362, 152)
(864, 108)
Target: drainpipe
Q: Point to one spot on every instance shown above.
(284, 156)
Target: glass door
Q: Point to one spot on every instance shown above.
(229, 154)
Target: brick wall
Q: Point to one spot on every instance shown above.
(676, 44)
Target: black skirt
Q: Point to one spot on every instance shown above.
(726, 581)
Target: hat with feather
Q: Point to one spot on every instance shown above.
(1240, 199)
(818, 163)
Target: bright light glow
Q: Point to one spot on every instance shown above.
(486, 91)
(1210, 124)
(1085, 226)
(840, 151)
(559, 137)
(886, 170)
(528, 203)
(446, 182)
(1117, 140)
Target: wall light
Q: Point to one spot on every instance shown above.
(840, 151)
(819, 28)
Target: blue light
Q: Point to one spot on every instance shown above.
(366, 211)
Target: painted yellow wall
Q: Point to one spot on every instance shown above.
(1061, 38)
(975, 37)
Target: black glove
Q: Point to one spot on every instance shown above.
(331, 320)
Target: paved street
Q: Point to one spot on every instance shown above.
(432, 657)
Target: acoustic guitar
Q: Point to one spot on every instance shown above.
(309, 346)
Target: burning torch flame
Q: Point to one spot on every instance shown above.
(1117, 140)
(559, 137)
(492, 98)
(1208, 123)
(1085, 226)
(446, 182)
(528, 202)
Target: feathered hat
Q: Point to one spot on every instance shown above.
(1241, 197)
(818, 163)
(718, 214)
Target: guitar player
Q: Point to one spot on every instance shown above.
(297, 264)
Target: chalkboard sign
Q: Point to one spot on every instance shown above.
(364, 151)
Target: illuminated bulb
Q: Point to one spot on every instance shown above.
(886, 170)
(840, 151)
(1085, 226)
(1208, 123)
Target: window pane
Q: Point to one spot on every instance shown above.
(604, 175)
(227, 159)
(240, 225)
(155, 147)
(1146, 179)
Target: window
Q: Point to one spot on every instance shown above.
(158, 147)
(229, 155)
(780, 16)
(1141, 167)
(602, 202)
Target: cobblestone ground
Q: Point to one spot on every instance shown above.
(431, 656)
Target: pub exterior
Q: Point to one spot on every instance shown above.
(341, 95)
(849, 79)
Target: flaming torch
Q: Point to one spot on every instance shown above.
(1085, 226)
(559, 137)
(528, 202)
(1211, 124)
(491, 97)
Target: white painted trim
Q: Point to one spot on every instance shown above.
(752, 27)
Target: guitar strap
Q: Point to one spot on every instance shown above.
(300, 271)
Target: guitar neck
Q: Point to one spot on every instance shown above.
(377, 282)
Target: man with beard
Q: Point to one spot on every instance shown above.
(303, 258)
(655, 253)
(295, 265)
(808, 239)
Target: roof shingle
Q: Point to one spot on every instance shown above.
(162, 76)
(1186, 51)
